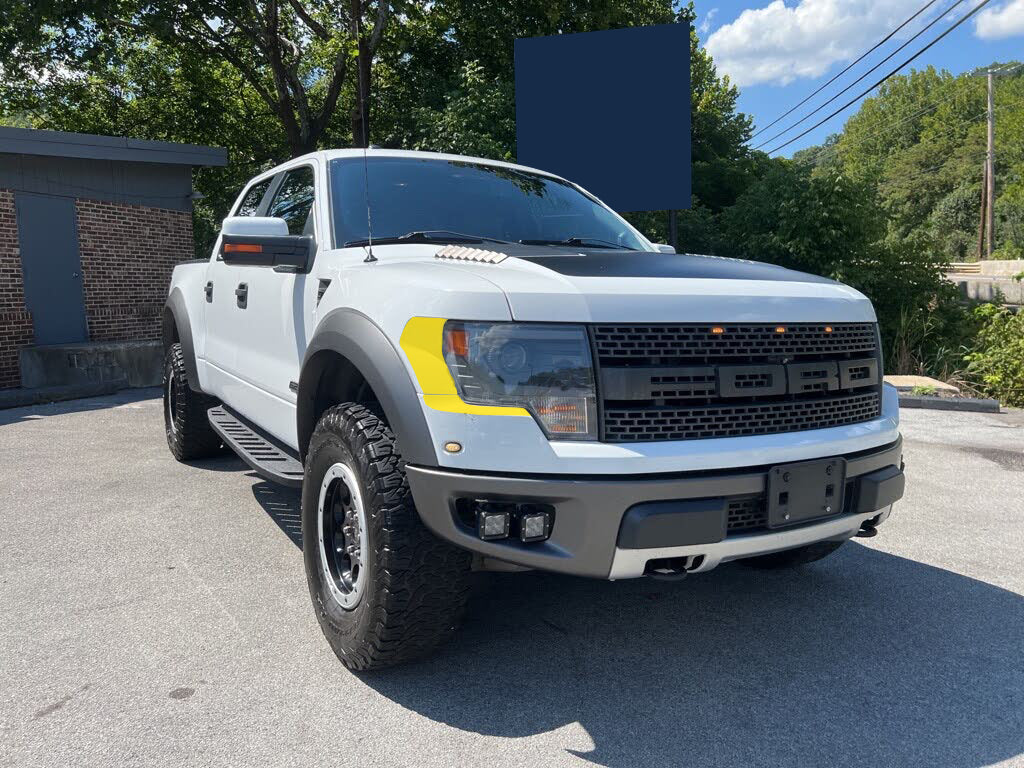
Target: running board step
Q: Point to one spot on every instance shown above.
(261, 452)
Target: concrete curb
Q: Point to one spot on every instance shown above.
(950, 403)
(16, 398)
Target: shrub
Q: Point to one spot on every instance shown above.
(996, 365)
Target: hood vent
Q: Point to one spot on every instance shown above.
(478, 255)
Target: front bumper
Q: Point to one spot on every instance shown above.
(589, 537)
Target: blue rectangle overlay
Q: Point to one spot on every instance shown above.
(610, 111)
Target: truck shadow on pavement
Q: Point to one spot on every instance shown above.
(282, 505)
(863, 659)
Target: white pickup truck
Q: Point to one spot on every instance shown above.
(472, 365)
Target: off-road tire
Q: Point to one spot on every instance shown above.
(188, 430)
(793, 558)
(416, 585)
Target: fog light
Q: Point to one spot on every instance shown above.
(492, 520)
(534, 525)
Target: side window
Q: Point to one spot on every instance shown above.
(251, 202)
(294, 199)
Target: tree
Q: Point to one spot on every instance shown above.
(294, 55)
(477, 118)
(922, 142)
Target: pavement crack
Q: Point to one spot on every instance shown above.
(49, 709)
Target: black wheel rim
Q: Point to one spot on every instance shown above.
(342, 535)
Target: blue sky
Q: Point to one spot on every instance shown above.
(779, 51)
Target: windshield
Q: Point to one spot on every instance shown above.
(417, 195)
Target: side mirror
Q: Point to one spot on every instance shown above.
(263, 241)
(663, 248)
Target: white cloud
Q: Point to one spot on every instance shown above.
(705, 25)
(1003, 21)
(779, 43)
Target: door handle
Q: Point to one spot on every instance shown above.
(242, 295)
(209, 291)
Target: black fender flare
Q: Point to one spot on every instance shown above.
(359, 340)
(175, 321)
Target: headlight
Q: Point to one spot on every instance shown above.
(544, 368)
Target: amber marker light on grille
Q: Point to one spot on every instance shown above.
(718, 329)
(828, 329)
(780, 329)
(243, 248)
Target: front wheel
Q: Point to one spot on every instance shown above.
(791, 558)
(385, 589)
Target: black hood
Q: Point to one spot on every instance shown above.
(608, 263)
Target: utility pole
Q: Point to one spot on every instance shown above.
(990, 170)
(983, 218)
(987, 226)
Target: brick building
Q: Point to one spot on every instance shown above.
(90, 228)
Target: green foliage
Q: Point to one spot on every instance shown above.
(997, 363)
(921, 140)
(477, 118)
(296, 58)
(954, 221)
(825, 224)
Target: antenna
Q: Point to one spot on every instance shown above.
(363, 110)
(369, 222)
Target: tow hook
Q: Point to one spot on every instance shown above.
(670, 568)
(867, 530)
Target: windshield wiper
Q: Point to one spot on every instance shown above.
(425, 236)
(593, 242)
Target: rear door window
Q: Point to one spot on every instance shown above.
(293, 200)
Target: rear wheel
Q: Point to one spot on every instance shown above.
(791, 558)
(188, 430)
(385, 589)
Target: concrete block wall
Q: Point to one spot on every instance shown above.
(15, 320)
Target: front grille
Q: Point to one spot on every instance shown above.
(627, 425)
(747, 513)
(693, 382)
(625, 344)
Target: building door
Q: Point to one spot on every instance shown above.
(50, 266)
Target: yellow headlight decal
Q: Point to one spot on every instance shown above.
(422, 341)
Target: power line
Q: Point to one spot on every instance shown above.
(868, 90)
(1006, 70)
(978, 154)
(821, 106)
(876, 46)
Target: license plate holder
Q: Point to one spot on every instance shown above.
(806, 490)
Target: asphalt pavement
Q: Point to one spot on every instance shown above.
(155, 614)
